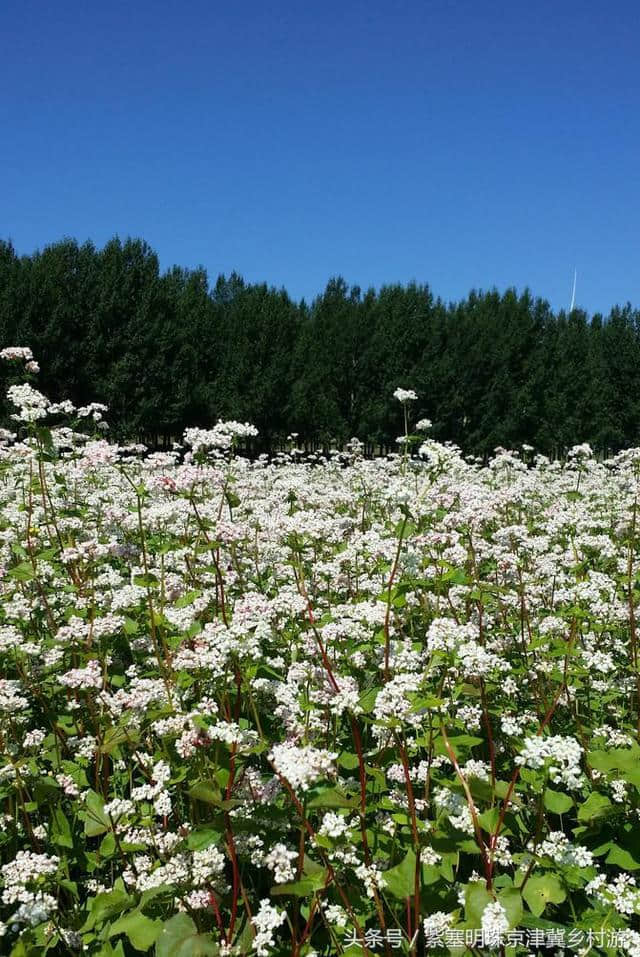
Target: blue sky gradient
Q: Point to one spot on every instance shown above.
(463, 144)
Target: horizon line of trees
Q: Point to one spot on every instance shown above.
(168, 350)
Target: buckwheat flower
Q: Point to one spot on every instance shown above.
(265, 922)
(66, 407)
(500, 853)
(423, 425)
(162, 804)
(15, 353)
(470, 715)
(198, 900)
(430, 857)
(72, 939)
(564, 753)
(477, 660)
(558, 847)
(599, 661)
(207, 865)
(622, 893)
(302, 766)
(83, 678)
(33, 739)
(494, 923)
(25, 868)
(613, 737)
(456, 808)
(405, 395)
(372, 878)
(36, 910)
(583, 451)
(476, 769)
(435, 927)
(119, 808)
(510, 685)
(175, 871)
(33, 405)
(619, 791)
(334, 825)
(392, 704)
(68, 785)
(279, 860)
(84, 747)
(10, 698)
(336, 915)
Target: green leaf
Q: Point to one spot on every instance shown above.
(117, 736)
(400, 880)
(142, 931)
(625, 762)
(541, 890)
(108, 846)
(489, 819)
(187, 599)
(95, 820)
(476, 898)
(22, 572)
(332, 797)
(556, 802)
(596, 805)
(301, 888)
(106, 905)
(147, 580)
(511, 900)
(202, 837)
(625, 852)
(206, 791)
(179, 937)
(368, 699)
(60, 832)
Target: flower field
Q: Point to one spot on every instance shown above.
(321, 706)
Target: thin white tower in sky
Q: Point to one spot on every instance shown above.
(573, 291)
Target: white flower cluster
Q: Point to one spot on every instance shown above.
(206, 865)
(14, 353)
(621, 893)
(558, 847)
(372, 878)
(302, 766)
(436, 924)
(265, 922)
(494, 923)
(335, 825)
(119, 807)
(564, 752)
(28, 868)
(221, 436)
(405, 395)
(83, 678)
(33, 405)
(279, 860)
(10, 698)
(456, 809)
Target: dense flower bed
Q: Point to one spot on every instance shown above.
(313, 708)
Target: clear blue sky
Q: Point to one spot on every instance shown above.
(461, 143)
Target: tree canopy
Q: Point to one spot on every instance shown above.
(169, 350)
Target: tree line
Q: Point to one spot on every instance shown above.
(167, 350)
